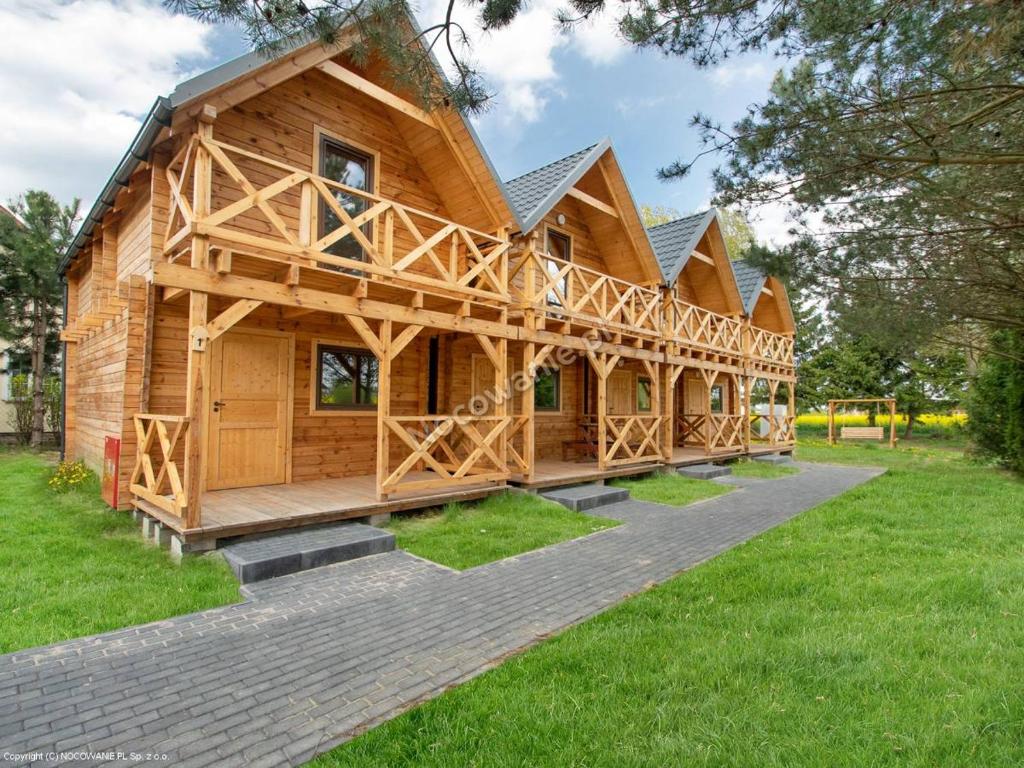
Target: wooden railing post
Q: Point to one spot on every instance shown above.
(773, 386)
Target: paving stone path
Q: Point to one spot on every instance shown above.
(312, 659)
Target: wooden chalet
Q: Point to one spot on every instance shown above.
(301, 298)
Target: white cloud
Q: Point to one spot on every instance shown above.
(518, 61)
(741, 73)
(74, 80)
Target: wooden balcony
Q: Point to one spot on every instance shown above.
(259, 207)
(703, 330)
(562, 291)
(767, 348)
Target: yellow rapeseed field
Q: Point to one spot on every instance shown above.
(820, 420)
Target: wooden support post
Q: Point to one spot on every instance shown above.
(527, 407)
(709, 431)
(383, 408)
(892, 423)
(501, 404)
(602, 411)
(773, 386)
(831, 422)
(748, 385)
(197, 380)
(791, 409)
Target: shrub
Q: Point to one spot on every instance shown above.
(69, 475)
(21, 399)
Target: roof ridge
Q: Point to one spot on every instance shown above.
(677, 220)
(553, 162)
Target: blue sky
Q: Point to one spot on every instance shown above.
(76, 77)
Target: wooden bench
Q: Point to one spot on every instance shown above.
(862, 433)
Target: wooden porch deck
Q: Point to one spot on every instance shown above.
(243, 511)
(550, 473)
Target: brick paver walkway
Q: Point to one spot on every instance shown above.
(315, 658)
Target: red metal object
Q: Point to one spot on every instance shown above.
(111, 467)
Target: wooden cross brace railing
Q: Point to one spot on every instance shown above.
(771, 347)
(398, 243)
(159, 482)
(457, 449)
(701, 327)
(571, 290)
(634, 438)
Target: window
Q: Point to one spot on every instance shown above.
(547, 390)
(345, 165)
(559, 246)
(347, 378)
(643, 394)
(716, 399)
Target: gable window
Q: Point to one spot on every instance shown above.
(547, 390)
(643, 394)
(347, 378)
(349, 166)
(717, 400)
(559, 245)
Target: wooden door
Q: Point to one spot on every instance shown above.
(620, 391)
(251, 405)
(483, 386)
(695, 396)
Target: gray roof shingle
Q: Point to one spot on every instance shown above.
(750, 280)
(675, 240)
(533, 194)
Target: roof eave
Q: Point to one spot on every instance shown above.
(157, 119)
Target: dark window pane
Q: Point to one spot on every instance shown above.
(348, 378)
(716, 398)
(353, 169)
(547, 390)
(643, 394)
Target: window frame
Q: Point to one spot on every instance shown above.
(322, 137)
(557, 408)
(721, 399)
(317, 406)
(550, 231)
(650, 394)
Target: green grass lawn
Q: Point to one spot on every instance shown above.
(760, 469)
(670, 488)
(465, 535)
(69, 566)
(885, 627)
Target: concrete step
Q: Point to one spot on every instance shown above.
(580, 498)
(774, 458)
(292, 551)
(704, 471)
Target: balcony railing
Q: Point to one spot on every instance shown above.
(713, 431)
(577, 293)
(274, 210)
(768, 347)
(697, 327)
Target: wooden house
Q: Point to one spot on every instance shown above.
(300, 297)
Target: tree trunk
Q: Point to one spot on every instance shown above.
(910, 425)
(38, 372)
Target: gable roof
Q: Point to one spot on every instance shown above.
(188, 91)
(675, 240)
(750, 280)
(535, 193)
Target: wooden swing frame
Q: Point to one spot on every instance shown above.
(889, 401)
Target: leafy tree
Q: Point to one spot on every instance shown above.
(31, 244)
(653, 215)
(995, 403)
(739, 236)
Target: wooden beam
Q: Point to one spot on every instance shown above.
(767, 291)
(702, 257)
(230, 316)
(592, 201)
(374, 91)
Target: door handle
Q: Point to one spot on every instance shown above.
(217, 405)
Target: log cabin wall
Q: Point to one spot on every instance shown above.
(338, 443)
